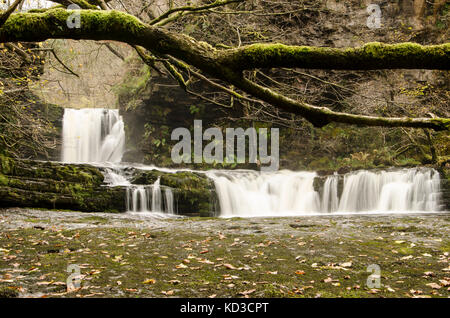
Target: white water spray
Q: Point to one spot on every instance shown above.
(252, 193)
(142, 198)
(149, 198)
(92, 135)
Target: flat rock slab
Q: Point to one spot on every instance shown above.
(138, 255)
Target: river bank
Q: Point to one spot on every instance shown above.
(134, 255)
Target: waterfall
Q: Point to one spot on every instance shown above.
(95, 135)
(251, 193)
(330, 199)
(402, 190)
(142, 198)
(149, 198)
(92, 135)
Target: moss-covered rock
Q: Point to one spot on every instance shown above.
(28, 183)
(194, 193)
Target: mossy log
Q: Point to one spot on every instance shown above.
(228, 65)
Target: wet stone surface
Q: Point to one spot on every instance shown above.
(142, 255)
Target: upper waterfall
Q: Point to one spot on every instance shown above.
(92, 135)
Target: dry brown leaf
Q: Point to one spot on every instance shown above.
(247, 292)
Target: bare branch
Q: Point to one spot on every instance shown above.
(215, 4)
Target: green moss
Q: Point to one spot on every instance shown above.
(406, 251)
(372, 55)
(6, 164)
(443, 123)
(3, 180)
(57, 186)
(52, 23)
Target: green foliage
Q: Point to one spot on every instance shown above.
(133, 85)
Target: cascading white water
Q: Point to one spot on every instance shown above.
(143, 198)
(96, 135)
(330, 199)
(403, 190)
(156, 196)
(92, 135)
(251, 193)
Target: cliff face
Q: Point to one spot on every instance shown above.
(153, 110)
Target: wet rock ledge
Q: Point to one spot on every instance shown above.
(81, 187)
(28, 183)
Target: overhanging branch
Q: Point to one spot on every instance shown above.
(372, 56)
(227, 65)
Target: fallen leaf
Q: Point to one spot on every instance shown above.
(346, 264)
(434, 285)
(229, 266)
(167, 293)
(149, 281)
(247, 292)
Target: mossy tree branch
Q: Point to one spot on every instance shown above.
(5, 15)
(227, 65)
(368, 57)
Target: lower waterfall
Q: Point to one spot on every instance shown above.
(252, 193)
(142, 198)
